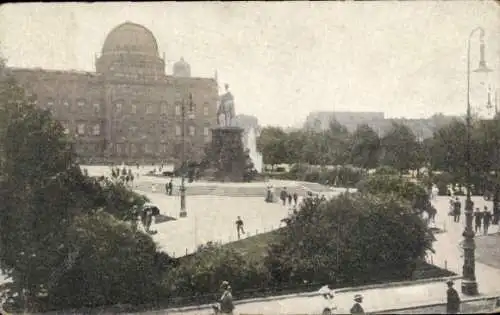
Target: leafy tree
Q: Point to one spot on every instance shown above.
(364, 147)
(448, 148)
(349, 240)
(43, 191)
(412, 191)
(295, 144)
(203, 272)
(114, 264)
(271, 142)
(399, 147)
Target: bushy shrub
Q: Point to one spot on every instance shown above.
(203, 272)
(412, 191)
(115, 264)
(350, 240)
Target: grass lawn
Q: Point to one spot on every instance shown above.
(254, 248)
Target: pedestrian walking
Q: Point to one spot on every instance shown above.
(486, 220)
(226, 300)
(239, 227)
(357, 308)
(457, 209)
(478, 219)
(452, 299)
(290, 198)
(295, 198)
(170, 187)
(432, 213)
(284, 196)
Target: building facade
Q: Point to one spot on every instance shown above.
(129, 110)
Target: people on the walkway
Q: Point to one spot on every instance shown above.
(478, 219)
(226, 300)
(284, 196)
(290, 198)
(239, 227)
(357, 308)
(452, 299)
(457, 209)
(269, 194)
(432, 213)
(170, 187)
(295, 198)
(486, 220)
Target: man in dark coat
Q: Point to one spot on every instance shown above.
(457, 209)
(284, 195)
(357, 308)
(170, 187)
(452, 299)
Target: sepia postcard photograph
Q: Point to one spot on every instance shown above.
(250, 157)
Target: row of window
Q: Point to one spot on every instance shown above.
(191, 130)
(81, 130)
(149, 108)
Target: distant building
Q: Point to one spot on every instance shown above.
(422, 127)
(129, 109)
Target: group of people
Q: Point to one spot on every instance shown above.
(481, 218)
(226, 304)
(126, 175)
(286, 196)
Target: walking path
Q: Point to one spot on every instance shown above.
(448, 254)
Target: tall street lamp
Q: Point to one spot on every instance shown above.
(469, 284)
(184, 103)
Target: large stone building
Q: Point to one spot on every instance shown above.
(129, 109)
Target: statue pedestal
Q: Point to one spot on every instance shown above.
(228, 158)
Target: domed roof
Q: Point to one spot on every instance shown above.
(182, 68)
(130, 38)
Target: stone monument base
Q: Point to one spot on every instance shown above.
(228, 156)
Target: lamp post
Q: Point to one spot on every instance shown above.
(469, 284)
(189, 102)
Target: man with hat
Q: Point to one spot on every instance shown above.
(226, 301)
(452, 299)
(357, 308)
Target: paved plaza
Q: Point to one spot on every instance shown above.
(448, 254)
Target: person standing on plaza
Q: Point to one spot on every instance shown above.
(226, 300)
(289, 199)
(452, 299)
(357, 308)
(239, 227)
(295, 198)
(284, 196)
(478, 218)
(457, 209)
(170, 187)
(486, 220)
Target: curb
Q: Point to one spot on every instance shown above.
(315, 293)
(425, 305)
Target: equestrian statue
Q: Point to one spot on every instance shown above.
(226, 108)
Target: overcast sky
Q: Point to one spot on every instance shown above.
(284, 60)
